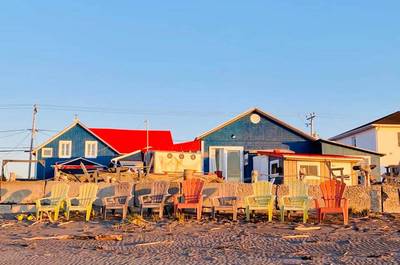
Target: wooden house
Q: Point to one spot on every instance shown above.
(230, 147)
(311, 168)
(99, 146)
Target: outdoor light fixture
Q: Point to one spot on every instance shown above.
(233, 136)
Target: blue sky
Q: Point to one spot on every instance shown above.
(190, 65)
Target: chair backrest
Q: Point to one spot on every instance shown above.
(123, 189)
(59, 192)
(87, 194)
(160, 187)
(262, 188)
(192, 190)
(227, 189)
(297, 188)
(332, 192)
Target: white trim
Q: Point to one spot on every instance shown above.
(47, 149)
(68, 153)
(76, 122)
(262, 113)
(202, 154)
(91, 145)
(212, 164)
(270, 163)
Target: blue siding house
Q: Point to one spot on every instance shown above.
(72, 143)
(230, 147)
(95, 147)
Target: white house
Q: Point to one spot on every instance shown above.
(381, 135)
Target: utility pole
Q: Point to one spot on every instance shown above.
(146, 126)
(310, 122)
(33, 132)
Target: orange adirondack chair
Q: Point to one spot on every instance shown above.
(332, 194)
(191, 197)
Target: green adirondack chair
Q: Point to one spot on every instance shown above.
(87, 195)
(58, 195)
(297, 200)
(261, 200)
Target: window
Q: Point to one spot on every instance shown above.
(47, 152)
(309, 169)
(354, 141)
(64, 149)
(398, 138)
(91, 149)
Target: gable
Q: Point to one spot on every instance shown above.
(78, 135)
(266, 134)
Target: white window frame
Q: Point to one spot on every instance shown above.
(310, 177)
(88, 153)
(47, 149)
(60, 151)
(212, 162)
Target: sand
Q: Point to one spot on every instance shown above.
(366, 240)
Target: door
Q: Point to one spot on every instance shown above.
(229, 160)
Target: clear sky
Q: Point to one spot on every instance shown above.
(190, 65)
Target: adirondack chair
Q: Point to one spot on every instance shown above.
(120, 200)
(58, 195)
(262, 199)
(87, 195)
(332, 195)
(226, 199)
(297, 200)
(191, 197)
(156, 199)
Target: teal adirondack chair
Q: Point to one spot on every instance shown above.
(297, 200)
(261, 200)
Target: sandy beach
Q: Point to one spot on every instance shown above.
(366, 240)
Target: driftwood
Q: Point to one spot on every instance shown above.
(295, 236)
(304, 228)
(154, 243)
(77, 237)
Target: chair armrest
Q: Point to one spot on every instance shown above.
(111, 199)
(215, 200)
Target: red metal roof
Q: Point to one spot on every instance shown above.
(192, 146)
(127, 141)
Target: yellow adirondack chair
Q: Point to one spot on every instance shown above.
(297, 200)
(261, 200)
(58, 195)
(87, 195)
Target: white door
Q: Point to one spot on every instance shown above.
(229, 160)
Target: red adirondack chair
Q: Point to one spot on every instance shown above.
(191, 197)
(332, 194)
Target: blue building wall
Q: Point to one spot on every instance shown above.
(266, 134)
(78, 135)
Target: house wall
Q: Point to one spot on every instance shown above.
(388, 144)
(78, 135)
(290, 170)
(332, 149)
(265, 135)
(365, 139)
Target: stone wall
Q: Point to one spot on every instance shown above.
(13, 194)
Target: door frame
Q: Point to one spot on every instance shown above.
(212, 163)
